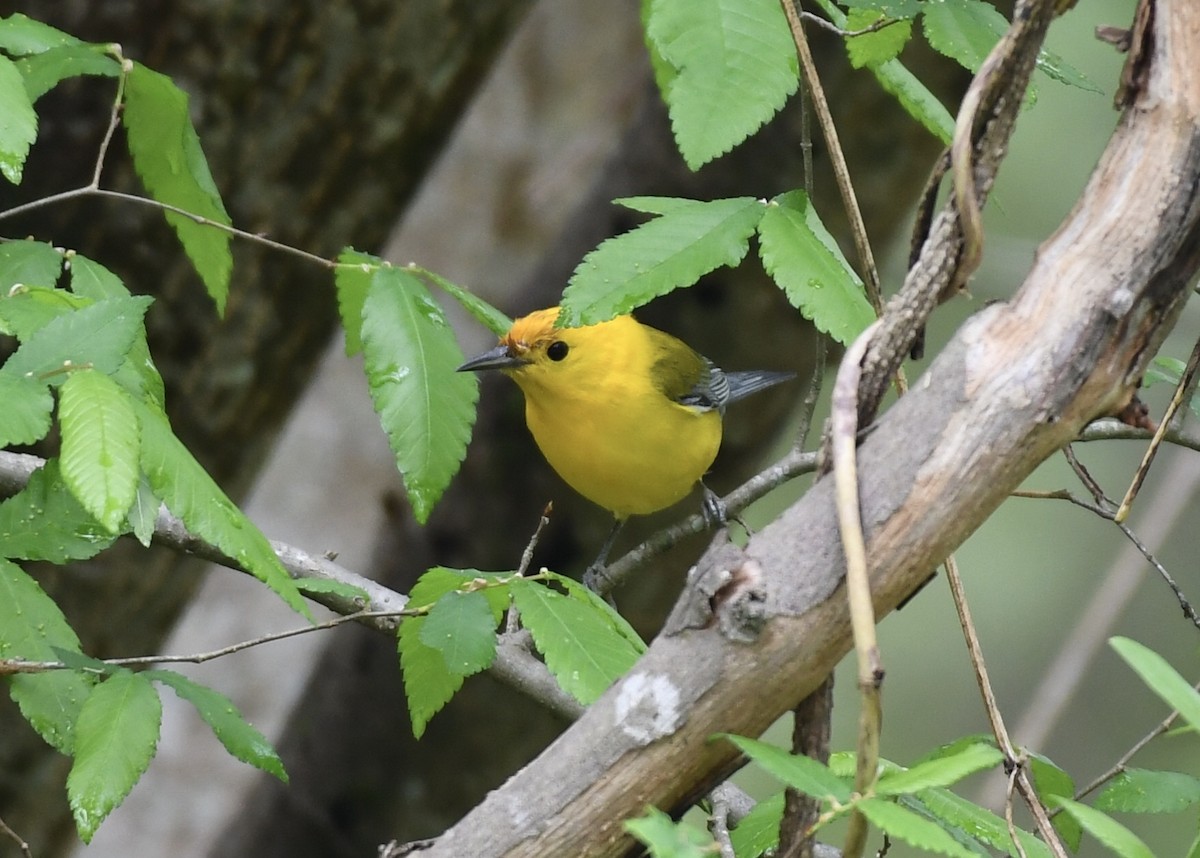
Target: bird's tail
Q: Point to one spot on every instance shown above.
(744, 383)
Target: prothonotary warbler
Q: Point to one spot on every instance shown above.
(628, 415)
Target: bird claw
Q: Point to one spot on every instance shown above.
(595, 579)
(713, 509)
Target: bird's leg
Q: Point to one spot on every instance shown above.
(594, 576)
(715, 513)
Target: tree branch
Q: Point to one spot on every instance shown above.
(1019, 380)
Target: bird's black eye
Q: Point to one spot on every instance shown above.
(557, 350)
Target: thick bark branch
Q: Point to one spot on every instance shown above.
(1019, 380)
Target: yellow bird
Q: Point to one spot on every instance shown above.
(628, 415)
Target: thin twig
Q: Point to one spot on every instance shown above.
(115, 115)
(1119, 765)
(789, 467)
(512, 619)
(858, 582)
(12, 666)
(1181, 392)
(1014, 762)
(1008, 811)
(837, 158)
(16, 838)
(825, 24)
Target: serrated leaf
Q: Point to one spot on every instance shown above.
(99, 336)
(100, 441)
(661, 255)
(168, 159)
(665, 838)
(1107, 830)
(92, 280)
(879, 46)
(28, 309)
(941, 772)
(1051, 781)
(1163, 679)
(31, 263)
(580, 646)
(1145, 791)
(428, 682)
(115, 739)
(594, 601)
(903, 824)
(18, 121)
(25, 417)
(804, 260)
(44, 521)
(977, 822)
(734, 66)
(31, 628)
(143, 515)
(351, 279)
(492, 319)
(759, 829)
(799, 772)
(137, 374)
(189, 492)
(238, 736)
(21, 35)
(462, 628)
(43, 71)
(426, 408)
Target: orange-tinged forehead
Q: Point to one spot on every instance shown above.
(530, 330)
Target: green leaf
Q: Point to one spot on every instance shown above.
(426, 408)
(1164, 369)
(189, 492)
(28, 309)
(31, 628)
(903, 824)
(240, 739)
(21, 35)
(115, 739)
(318, 586)
(734, 66)
(492, 319)
(890, 8)
(351, 278)
(956, 813)
(798, 772)
(92, 280)
(43, 71)
(593, 600)
(759, 829)
(1107, 830)
(30, 263)
(99, 456)
(665, 838)
(18, 121)
(44, 521)
(168, 158)
(143, 515)
(802, 257)
(1163, 679)
(27, 407)
(1145, 791)
(461, 627)
(428, 682)
(581, 647)
(872, 49)
(1051, 781)
(941, 772)
(671, 251)
(99, 336)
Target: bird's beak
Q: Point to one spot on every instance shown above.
(498, 358)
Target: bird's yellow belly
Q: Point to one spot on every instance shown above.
(624, 462)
